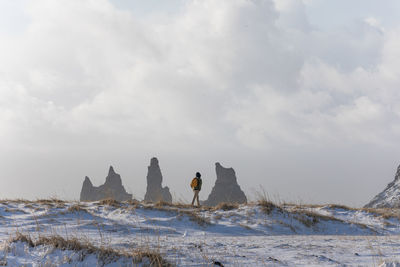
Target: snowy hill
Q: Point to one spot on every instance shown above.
(390, 197)
(108, 233)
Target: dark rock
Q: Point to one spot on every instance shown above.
(226, 188)
(155, 192)
(390, 197)
(112, 189)
(273, 259)
(218, 263)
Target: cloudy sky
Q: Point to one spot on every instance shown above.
(301, 98)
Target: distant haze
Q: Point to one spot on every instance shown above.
(301, 98)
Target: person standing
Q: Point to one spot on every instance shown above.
(196, 186)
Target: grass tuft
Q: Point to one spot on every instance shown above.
(110, 202)
(385, 213)
(23, 238)
(105, 255)
(226, 206)
(310, 218)
(197, 218)
(338, 206)
(268, 206)
(132, 202)
(160, 204)
(76, 208)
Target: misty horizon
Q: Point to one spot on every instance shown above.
(300, 98)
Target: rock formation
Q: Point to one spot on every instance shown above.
(112, 188)
(155, 192)
(226, 188)
(390, 197)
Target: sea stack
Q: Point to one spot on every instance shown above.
(155, 192)
(390, 197)
(226, 188)
(112, 188)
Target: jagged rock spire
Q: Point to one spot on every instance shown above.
(112, 188)
(111, 170)
(154, 191)
(226, 188)
(87, 181)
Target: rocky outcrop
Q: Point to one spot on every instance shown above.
(390, 197)
(226, 188)
(155, 192)
(112, 188)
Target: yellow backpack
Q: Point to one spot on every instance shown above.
(193, 184)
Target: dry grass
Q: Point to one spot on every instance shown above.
(298, 212)
(105, 255)
(339, 206)
(195, 216)
(310, 218)
(226, 206)
(155, 258)
(268, 206)
(315, 206)
(76, 208)
(22, 238)
(14, 210)
(302, 205)
(16, 201)
(163, 204)
(132, 202)
(38, 204)
(110, 202)
(198, 218)
(166, 206)
(385, 213)
(177, 205)
(50, 202)
(301, 212)
(180, 209)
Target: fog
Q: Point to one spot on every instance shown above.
(299, 97)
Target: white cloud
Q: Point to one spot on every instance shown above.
(247, 74)
(101, 69)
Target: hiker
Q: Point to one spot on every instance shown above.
(196, 186)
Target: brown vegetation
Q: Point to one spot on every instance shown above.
(310, 218)
(132, 202)
(268, 206)
(226, 206)
(76, 208)
(110, 202)
(385, 213)
(105, 255)
(197, 218)
(338, 206)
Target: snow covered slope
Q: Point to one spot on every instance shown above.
(390, 197)
(260, 234)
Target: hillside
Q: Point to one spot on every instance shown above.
(389, 197)
(131, 233)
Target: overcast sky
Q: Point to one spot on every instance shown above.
(299, 97)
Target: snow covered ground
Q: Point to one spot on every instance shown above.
(248, 235)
